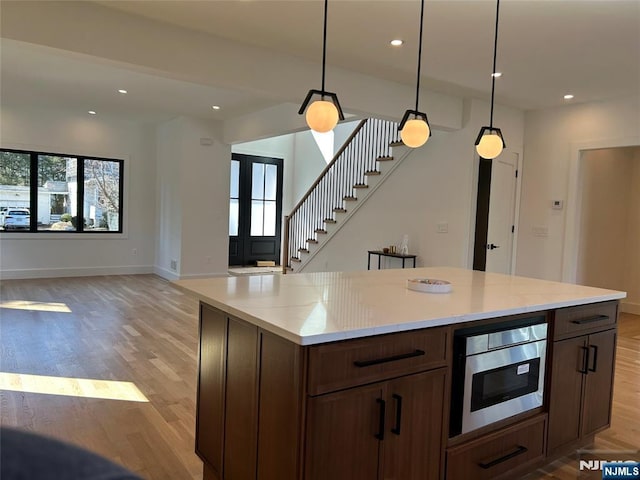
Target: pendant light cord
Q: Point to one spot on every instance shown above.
(419, 55)
(493, 72)
(324, 42)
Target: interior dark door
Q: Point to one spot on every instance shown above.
(255, 209)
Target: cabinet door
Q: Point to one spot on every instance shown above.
(241, 412)
(414, 436)
(343, 434)
(599, 382)
(211, 380)
(566, 391)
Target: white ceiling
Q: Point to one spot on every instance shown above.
(546, 48)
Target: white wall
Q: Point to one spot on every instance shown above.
(73, 132)
(436, 183)
(553, 139)
(193, 203)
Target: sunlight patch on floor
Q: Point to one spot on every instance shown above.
(36, 306)
(75, 387)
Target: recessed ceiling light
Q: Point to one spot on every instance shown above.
(216, 107)
(568, 96)
(496, 74)
(397, 42)
(91, 112)
(122, 90)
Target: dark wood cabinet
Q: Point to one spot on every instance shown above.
(413, 441)
(498, 454)
(393, 427)
(581, 384)
(342, 442)
(211, 380)
(375, 408)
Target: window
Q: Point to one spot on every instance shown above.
(56, 190)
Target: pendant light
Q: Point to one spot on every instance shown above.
(416, 131)
(322, 115)
(490, 143)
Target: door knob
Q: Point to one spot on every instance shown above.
(491, 246)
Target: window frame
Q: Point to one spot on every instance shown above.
(80, 174)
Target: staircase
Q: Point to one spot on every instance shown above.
(357, 170)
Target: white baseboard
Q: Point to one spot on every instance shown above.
(166, 274)
(74, 272)
(630, 307)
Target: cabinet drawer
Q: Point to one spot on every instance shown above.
(495, 454)
(582, 319)
(338, 365)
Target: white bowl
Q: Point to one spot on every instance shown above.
(429, 285)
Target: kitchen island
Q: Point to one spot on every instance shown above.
(349, 375)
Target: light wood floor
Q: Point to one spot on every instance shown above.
(139, 329)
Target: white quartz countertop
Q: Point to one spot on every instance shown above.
(312, 308)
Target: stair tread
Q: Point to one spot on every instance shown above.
(295, 259)
(372, 172)
(329, 220)
(312, 240)
(384, 159)
(361, 185)
(349, 198)
(396, 144)
(340, 210)
(305, 250)
(320, 230)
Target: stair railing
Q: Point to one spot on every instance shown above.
(346, 172)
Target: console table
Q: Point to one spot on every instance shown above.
(381, 254)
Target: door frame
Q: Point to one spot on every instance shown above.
(473, 233)
(244, 225)
(571, 242)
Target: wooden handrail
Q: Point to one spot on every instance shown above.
(329, 165)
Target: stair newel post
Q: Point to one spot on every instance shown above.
(285, 245)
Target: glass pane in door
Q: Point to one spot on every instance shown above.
(257, 218)
(233, 217)
(269, 218)
(271, 182)
(257, 181)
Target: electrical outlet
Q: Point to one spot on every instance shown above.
(134, 251)
(174, 265)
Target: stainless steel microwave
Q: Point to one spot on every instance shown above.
(498, 372)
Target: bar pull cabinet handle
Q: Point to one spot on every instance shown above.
(519, 450)
(393, 358)
(585, 361)
(398, 400)
(383, 405)
(595, 358)
(596, 318)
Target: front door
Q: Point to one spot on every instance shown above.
(255, 209)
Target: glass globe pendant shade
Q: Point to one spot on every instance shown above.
(322, 116)
(415, 133)
(490, 146)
